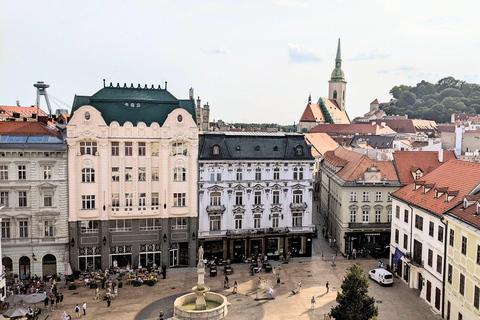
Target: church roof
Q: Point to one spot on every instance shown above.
(124, 104)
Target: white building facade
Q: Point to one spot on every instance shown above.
(33, 193)
(255, 195)
(132, 179)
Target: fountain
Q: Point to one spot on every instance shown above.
(201, 303)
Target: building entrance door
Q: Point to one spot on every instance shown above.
(24, 265)
(420, 282)
(173, 257)
(238, 250)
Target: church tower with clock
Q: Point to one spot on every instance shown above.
(337, 84)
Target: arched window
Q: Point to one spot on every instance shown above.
(299, 150)
(335, 94)
(88, 175)
(179, 148)
(216, 150)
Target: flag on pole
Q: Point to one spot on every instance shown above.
(397, 256)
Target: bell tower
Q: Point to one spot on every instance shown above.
(337, 84)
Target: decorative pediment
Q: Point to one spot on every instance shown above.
(258, 187)
(276, 208)
(239, 187)
(215, 188)
(238, 209)
(47, 185)
(276, 186)
(257, 209)
(298, 186)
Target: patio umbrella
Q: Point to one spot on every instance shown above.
(34, 298)
(68, 269)
(15, 313)
(14, 298)
(2, 317)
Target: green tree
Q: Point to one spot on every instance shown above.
(354, 303)
(451, 92)
(397, 90)
(406, 99)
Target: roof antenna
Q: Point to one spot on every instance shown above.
(42, 91)
(165, 85)
(104, 83)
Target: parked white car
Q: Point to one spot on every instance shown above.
(382, 276)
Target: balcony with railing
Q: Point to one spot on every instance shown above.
(369, 225)
(301, 206)
(257, 231)
(217, 209)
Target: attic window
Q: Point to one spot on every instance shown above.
(275, 148)
(216, 150)
(257, 148)
(418, 174)
(237, 148)
(299, 150)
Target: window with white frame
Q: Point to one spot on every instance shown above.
(47, 172)
(238, 198)
(142, 174)
(5, 228)
(295, 173)
(89, 258)
(389, 196)
(366, 196)
(276, 197)
(150, 255)
(155, 174)
(297, 196)
(238, 222)
(378, 196)
(48, 228)
(88, 175)
(258, 197)
(115, 200)
(179, 199)
(216, 174)
(215, 199)
(179, 223)
(258, 174)
(89, 226)
(23, 228)
(128, 148)
(179, 174)
(155, 199)
(276, 174)
(300, 173)
(115, 174)
(154, 148)
(142, 199)
(275, 220)
(88, 202)
(378, 215)
(121, 225)
(389, 214)
(128, 173)
(142, 148)
(365, 215)
(88, 147)
(4, 172)
(239, 174)
(297, 219)
(115, 148)
(353, 196)
(22, 172)
(178, 148)
(128, 199)
(215, 222)
(150, 224)
(257, 219)
(216, 150)
(4, 199)
(353, 215)
(48, 198)
(22, 199)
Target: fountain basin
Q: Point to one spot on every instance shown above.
(184, 307)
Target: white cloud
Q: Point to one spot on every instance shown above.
(289, 3)
(372, 55)
(298, 53)
(221, 50)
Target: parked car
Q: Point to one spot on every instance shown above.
(382, 276)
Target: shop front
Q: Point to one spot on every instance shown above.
(300, 245)
(213, 248)
(374, 242)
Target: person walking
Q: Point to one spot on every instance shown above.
(108, 302)
(45, 301)
(270, 292)
(52, 302)
(61, 299)
(313, 302)
(333, 260)
(77, 311)
(225, 282)
(278, 279)
(327, 285)
(57, 300)
(84, 307)
(235, 285)
(299, 286)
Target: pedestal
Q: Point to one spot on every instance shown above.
(200, 303)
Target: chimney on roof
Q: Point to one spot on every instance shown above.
(104, 83)
(18, 103)
(199, 102)
(190, 94)
(165, 85)
(440, 155)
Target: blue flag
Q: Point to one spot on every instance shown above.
(397, 256)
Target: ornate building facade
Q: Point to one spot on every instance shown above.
(255, 195)
(132, 179)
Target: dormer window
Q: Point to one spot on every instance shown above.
(418, 174)
(418, 184)
(216, 150)
(427, 187)
(257, 148)
(275, 148)
(238, 148)
(450, 195)
(299, 150)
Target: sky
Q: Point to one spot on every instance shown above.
(252, 61)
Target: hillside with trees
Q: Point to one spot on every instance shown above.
(435, 101)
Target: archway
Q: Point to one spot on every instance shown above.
(8, 264)
(24, 267)
(49, 265)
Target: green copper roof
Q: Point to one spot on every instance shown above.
(337, 73)
(124, 104)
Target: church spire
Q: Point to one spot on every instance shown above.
(337, 74)
(310, 98)
(339, 54)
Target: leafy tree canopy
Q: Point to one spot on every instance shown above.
(435, 101)
(354, 303)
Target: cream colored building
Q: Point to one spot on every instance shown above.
(132, 179)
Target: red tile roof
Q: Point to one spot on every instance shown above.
(375, 102)
(355, 164)
(30, 128)
(469, 213)
(461, 176)
(360, 128)
(25, 112)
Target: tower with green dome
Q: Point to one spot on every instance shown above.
(337, 84)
